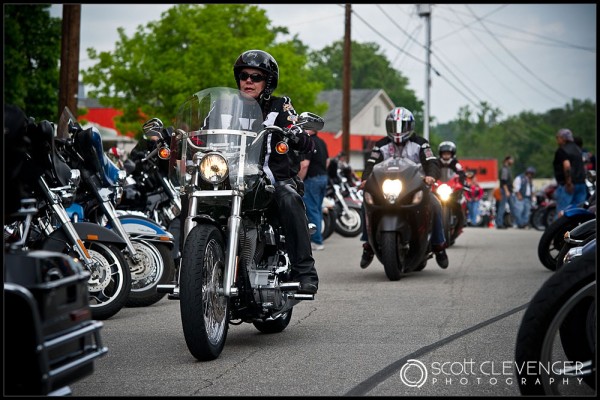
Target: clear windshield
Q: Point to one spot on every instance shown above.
(222, 120)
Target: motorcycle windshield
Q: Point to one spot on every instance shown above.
(219, 120)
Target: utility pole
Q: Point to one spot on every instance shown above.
(69, 58)
(424, 10)
(347, 88)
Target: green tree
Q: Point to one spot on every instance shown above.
(192, 47)
(370, 70)
(31, 58)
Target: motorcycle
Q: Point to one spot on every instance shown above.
(399, 220)
(47, 319)
(552, 239)
(348, 216)
(46, 178)
(234, 267)
(576, 237)
(148, 245)
(450, 191)
(543, 209)
(555, 352)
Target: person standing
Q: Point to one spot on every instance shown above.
(522, 192)
(505, 191)
(313, 171)
(473, 195)
(569, 172)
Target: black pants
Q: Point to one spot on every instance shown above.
(292, 215)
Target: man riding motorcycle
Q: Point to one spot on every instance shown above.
(400, 140)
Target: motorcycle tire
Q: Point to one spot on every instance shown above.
(552, 239)
(328, 223)
(554, 306)
(109, 284)
(349, 224)
(392, 263)
(155, 268)
(204, 312)
(549, 215)
(274, 325)
(537, 219)
(447, 224)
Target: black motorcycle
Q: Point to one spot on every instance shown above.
(398, 216)
(555, 353)
(148, 245)
(234, 266)
(44, 176)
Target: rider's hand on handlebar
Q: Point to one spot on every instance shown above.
(430, 180)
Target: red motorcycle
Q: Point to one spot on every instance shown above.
(450, 192)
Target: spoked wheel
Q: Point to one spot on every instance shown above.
(556, 344)
(204, 309)
(156, 267)
(274, 325)
(110, 280)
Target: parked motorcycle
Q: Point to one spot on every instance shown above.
(576, 237)
(234, 266)
(543, 209)
(148, 245)
(552, 239)
(450, 191)
(347, 204)
(555, 352)
(51, 339)
(398, 216)
(44, 176)
(329, 218)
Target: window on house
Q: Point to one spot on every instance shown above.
(377, 115)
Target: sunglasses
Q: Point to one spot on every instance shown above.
(254, 77)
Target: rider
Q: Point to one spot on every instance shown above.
(400, 126)
(447, 157)
(256, 73)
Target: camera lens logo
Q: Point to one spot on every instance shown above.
(413, 373)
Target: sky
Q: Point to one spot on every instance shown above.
(515, 57)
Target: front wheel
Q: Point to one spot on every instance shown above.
(276, 325)
(349, 224)
(552, 239)
(156, 267)
(328, 223)
(204, 309)
(391, 256)
(557, 336)
(110, 280)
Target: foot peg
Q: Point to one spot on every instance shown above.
(292, 289)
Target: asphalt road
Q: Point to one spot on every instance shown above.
(355, 338)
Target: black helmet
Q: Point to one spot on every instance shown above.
(260, 60)
(447, 146)
(400, 124)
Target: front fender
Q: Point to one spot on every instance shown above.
(138, 227)
(571, 212)
(392, 223)
(88, 232)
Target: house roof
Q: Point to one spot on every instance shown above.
(359, 98)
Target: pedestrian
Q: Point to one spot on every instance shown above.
(522, 192)
(569, 172)
(505, 191)
(256, 73)
(473, 195)
(402, 141)
(313, 171)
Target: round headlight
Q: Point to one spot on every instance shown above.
(444, 191)
(213, 168)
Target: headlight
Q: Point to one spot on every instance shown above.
(444, 191)
(573, 254)
(391, 189)
(213, 168)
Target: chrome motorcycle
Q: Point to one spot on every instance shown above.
(234, 267)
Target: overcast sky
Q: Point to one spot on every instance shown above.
(516, 57)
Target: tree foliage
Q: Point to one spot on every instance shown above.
(192, 47)
(32, 42)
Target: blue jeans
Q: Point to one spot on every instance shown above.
(564, 199)
(521, 210)
(314, 193)
(473, 208)
(504, 200)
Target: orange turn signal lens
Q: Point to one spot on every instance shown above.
(282, 147)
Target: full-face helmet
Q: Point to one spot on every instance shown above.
(447, 147)
(400, 125)
(260, 60)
